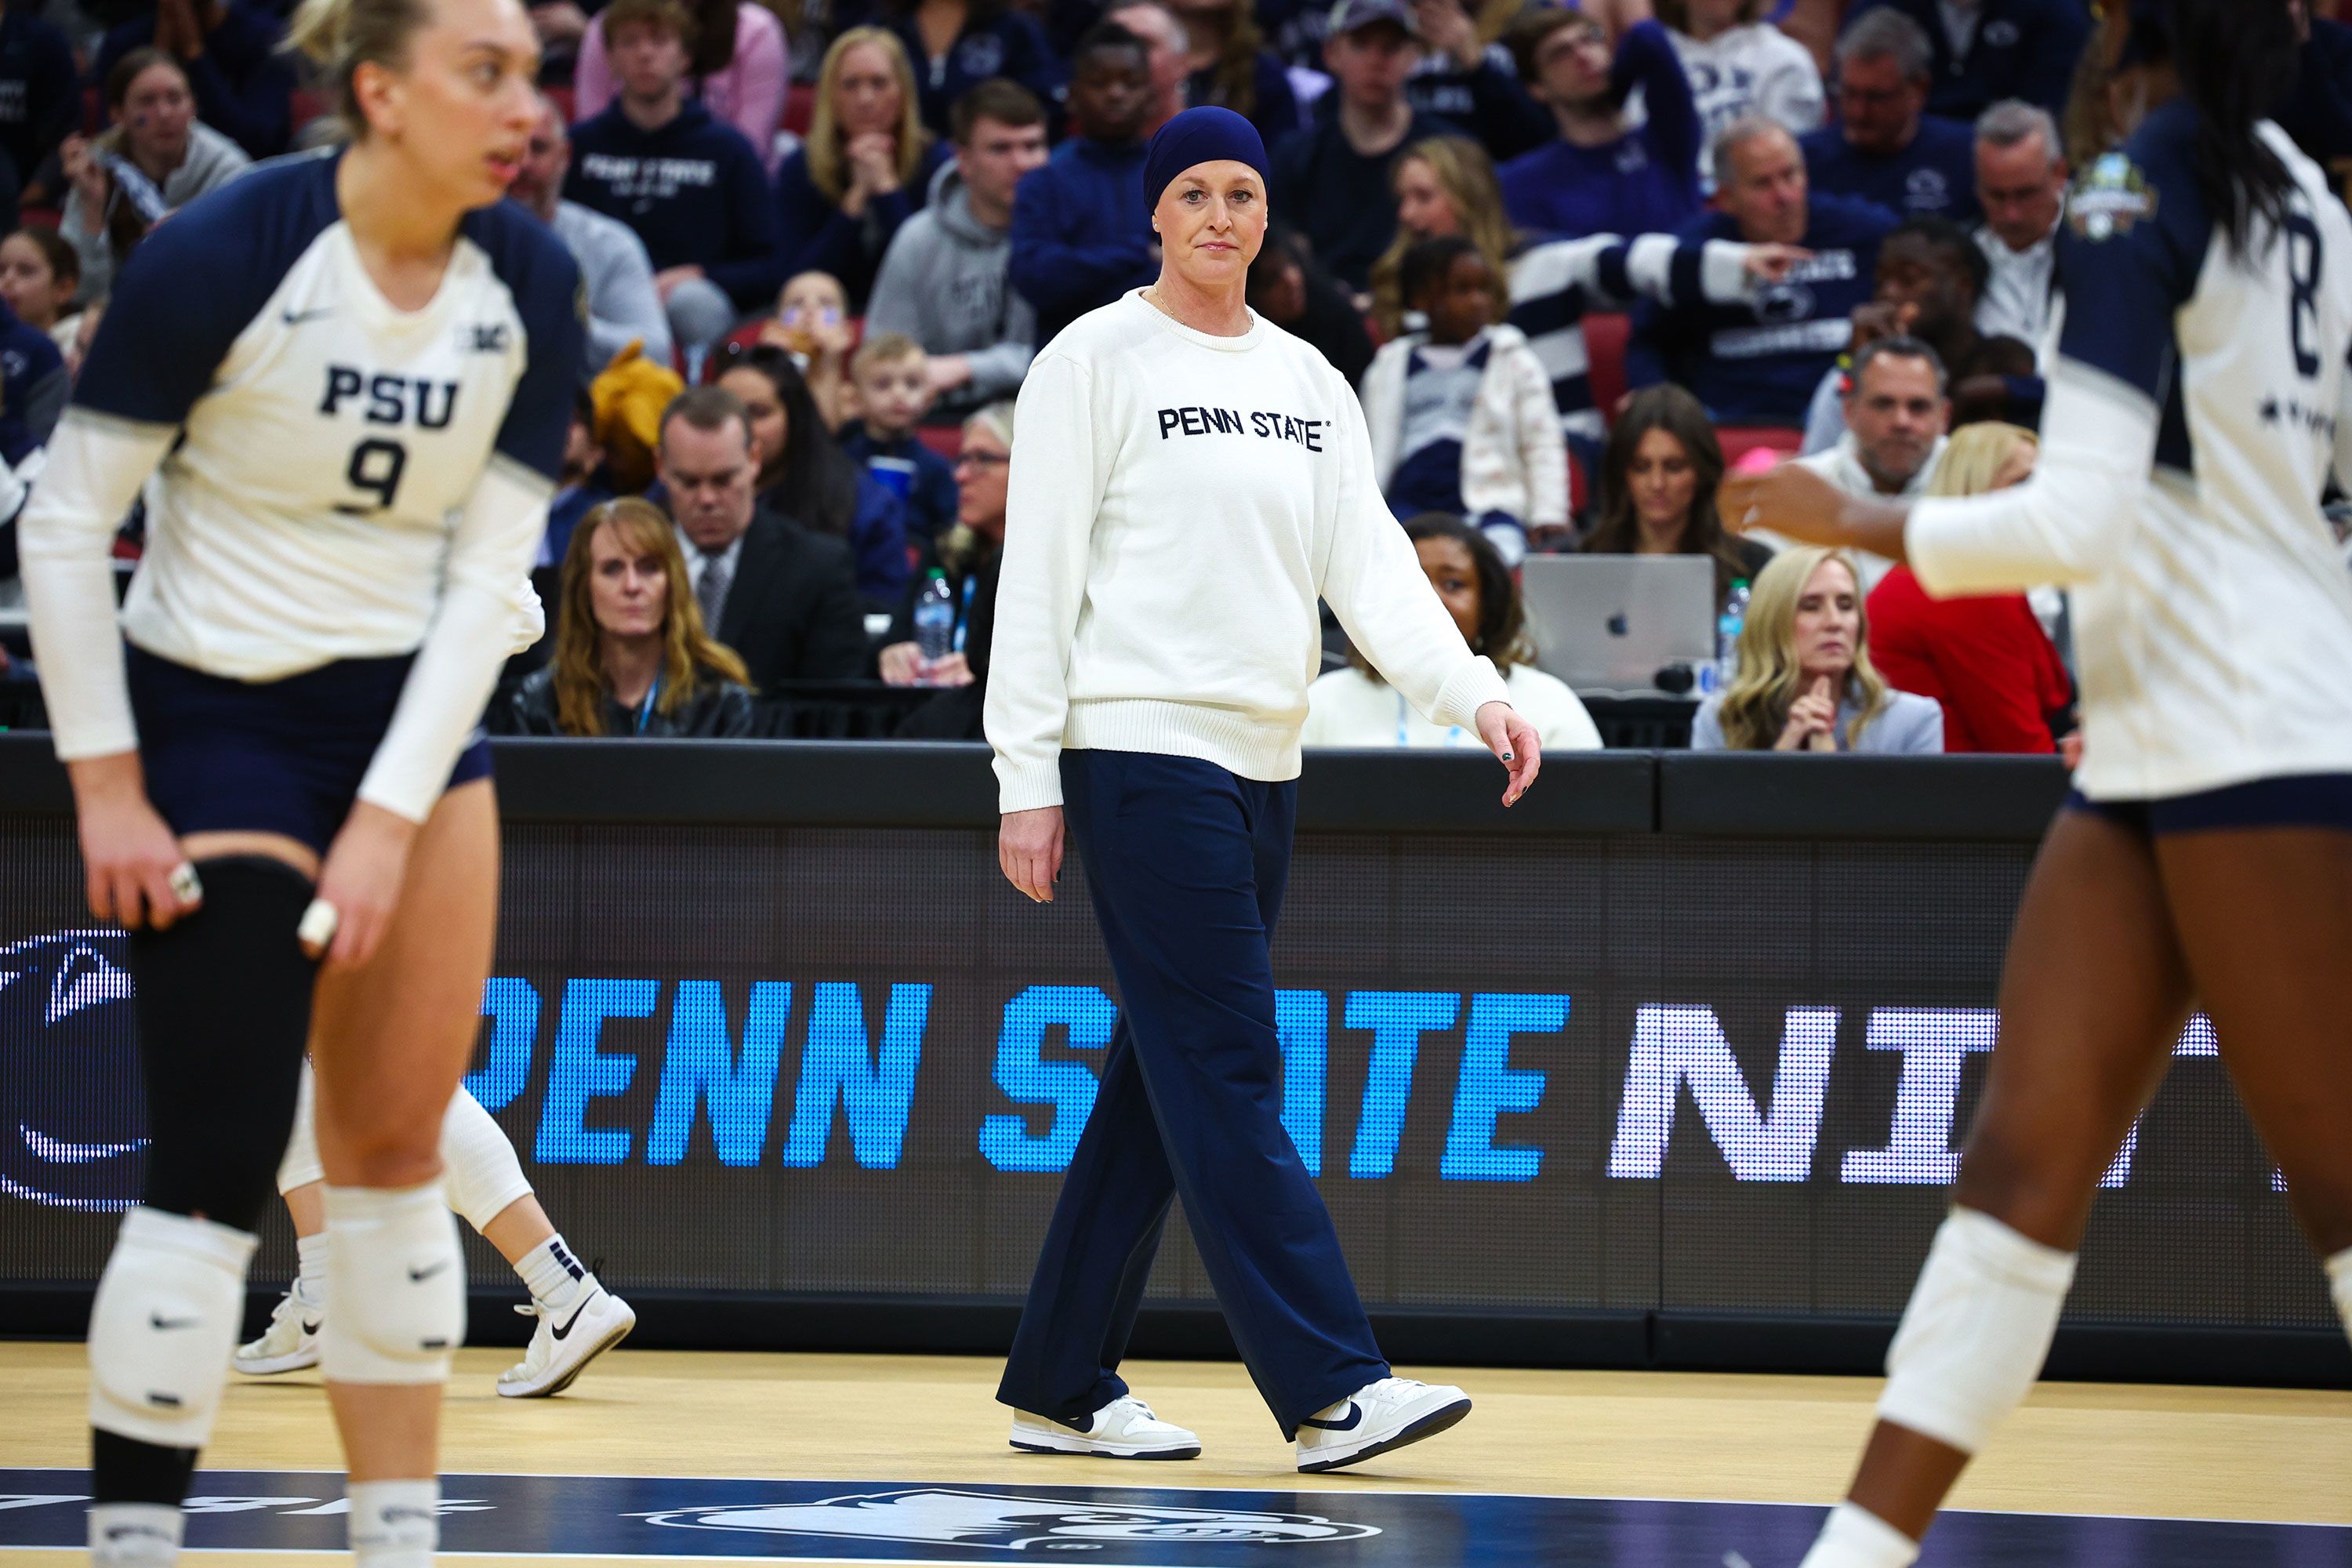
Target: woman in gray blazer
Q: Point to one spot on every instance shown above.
(1805, 681)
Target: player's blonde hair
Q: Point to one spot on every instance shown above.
(1755, 707)
(340, 36)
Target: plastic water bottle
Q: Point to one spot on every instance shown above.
(935, 618)
(1726, 635)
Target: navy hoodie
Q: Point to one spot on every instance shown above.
(38, 100)
(694, 191)
(1081, 236)
(1759, 363)
(818, 236)
(243, 84)
(920, 479)
(2022, 48)
(1936, 176)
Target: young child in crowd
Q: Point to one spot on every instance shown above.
(1460, 412)
(39, 275)
(811, 322)
(892, 375)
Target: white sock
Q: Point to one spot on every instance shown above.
(133, 1535)
(395, 1524)
(2339, 1277)
(310, 1283)
(550, 1273)
(1856, 1538)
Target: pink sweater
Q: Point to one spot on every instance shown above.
(748, 95)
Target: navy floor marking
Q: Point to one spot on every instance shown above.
(1126, 1526)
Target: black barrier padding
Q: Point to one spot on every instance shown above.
(1659, 1098)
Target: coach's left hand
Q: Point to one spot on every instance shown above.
(361, 881)
(1513, 741)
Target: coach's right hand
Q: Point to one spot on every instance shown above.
(1029, 847)
(127, 848)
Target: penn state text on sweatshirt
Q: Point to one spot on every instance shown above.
(1179, 502)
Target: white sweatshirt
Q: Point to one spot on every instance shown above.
(1177, 503)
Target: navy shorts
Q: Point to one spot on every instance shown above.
(277, 756)
(2297, 799)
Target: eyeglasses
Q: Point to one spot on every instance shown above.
(982, 460)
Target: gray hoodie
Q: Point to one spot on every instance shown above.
(213, 160)
(943, 283)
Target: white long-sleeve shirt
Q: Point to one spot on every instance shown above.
(1179, 502)
(2197, 404)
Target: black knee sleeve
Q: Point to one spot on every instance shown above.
(124, 1469)
(224, 1008)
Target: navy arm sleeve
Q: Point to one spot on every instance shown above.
(1646, 57)
(2133, 240)
(544, 279)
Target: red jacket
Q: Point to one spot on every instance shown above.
(1986, 659)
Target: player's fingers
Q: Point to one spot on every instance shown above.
(100, 891)
(162, 899)
(316, 930)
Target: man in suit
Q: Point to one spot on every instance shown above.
(782, 597)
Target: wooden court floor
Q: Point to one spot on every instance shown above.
(2158, 1452)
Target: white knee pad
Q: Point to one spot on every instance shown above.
(398, 1283)
(1977, 1332)
(479, 1164)
(168, 1310)
(301, 1166)
(2340, 1279)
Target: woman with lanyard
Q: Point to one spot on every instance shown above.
(1152, 655)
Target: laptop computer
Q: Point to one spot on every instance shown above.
(1610, 624)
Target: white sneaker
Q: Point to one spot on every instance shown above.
(567, 1341)
(1123, 1429)
(1375, 1418)
(291, 1342)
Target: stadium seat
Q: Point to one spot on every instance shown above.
(1739, 440)
(1605, 337)
(566, 101)
(799, 107)
(306, 106)
(947, 440)
(93, 112)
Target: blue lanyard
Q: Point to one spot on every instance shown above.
(1453, 731)
(964, 617)
(645, 709)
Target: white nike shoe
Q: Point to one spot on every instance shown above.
(1123, 1429)
(567, 1341)
(291, 1343)
(1375, 1418)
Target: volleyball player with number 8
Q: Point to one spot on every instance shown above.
(344, 383)
(2203, 390)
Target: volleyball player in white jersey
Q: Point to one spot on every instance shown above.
(344, 383)
(2203, 390)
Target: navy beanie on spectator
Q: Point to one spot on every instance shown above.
(1204, 135)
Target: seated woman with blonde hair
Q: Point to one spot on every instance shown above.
(1805, 681)
(1355, 707)
(631, 654)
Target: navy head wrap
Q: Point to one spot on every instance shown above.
(1204, 135)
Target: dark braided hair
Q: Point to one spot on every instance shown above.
(2235, 60)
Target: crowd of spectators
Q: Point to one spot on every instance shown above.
(1578, 259)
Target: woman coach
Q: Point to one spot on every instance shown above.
(1190, 479)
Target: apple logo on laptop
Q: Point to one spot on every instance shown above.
(1617, 626)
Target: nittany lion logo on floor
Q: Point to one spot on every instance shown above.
(935, 1517)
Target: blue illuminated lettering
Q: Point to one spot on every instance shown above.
(1398, 1019)
(512, 1005)
(1490, 1086)
(873, 1088)
(1088, 1017)
(1302, 1020)
(699, 1066)
(579, 1072)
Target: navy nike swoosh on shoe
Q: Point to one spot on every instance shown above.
(1355, 1419)
(560, 1330)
